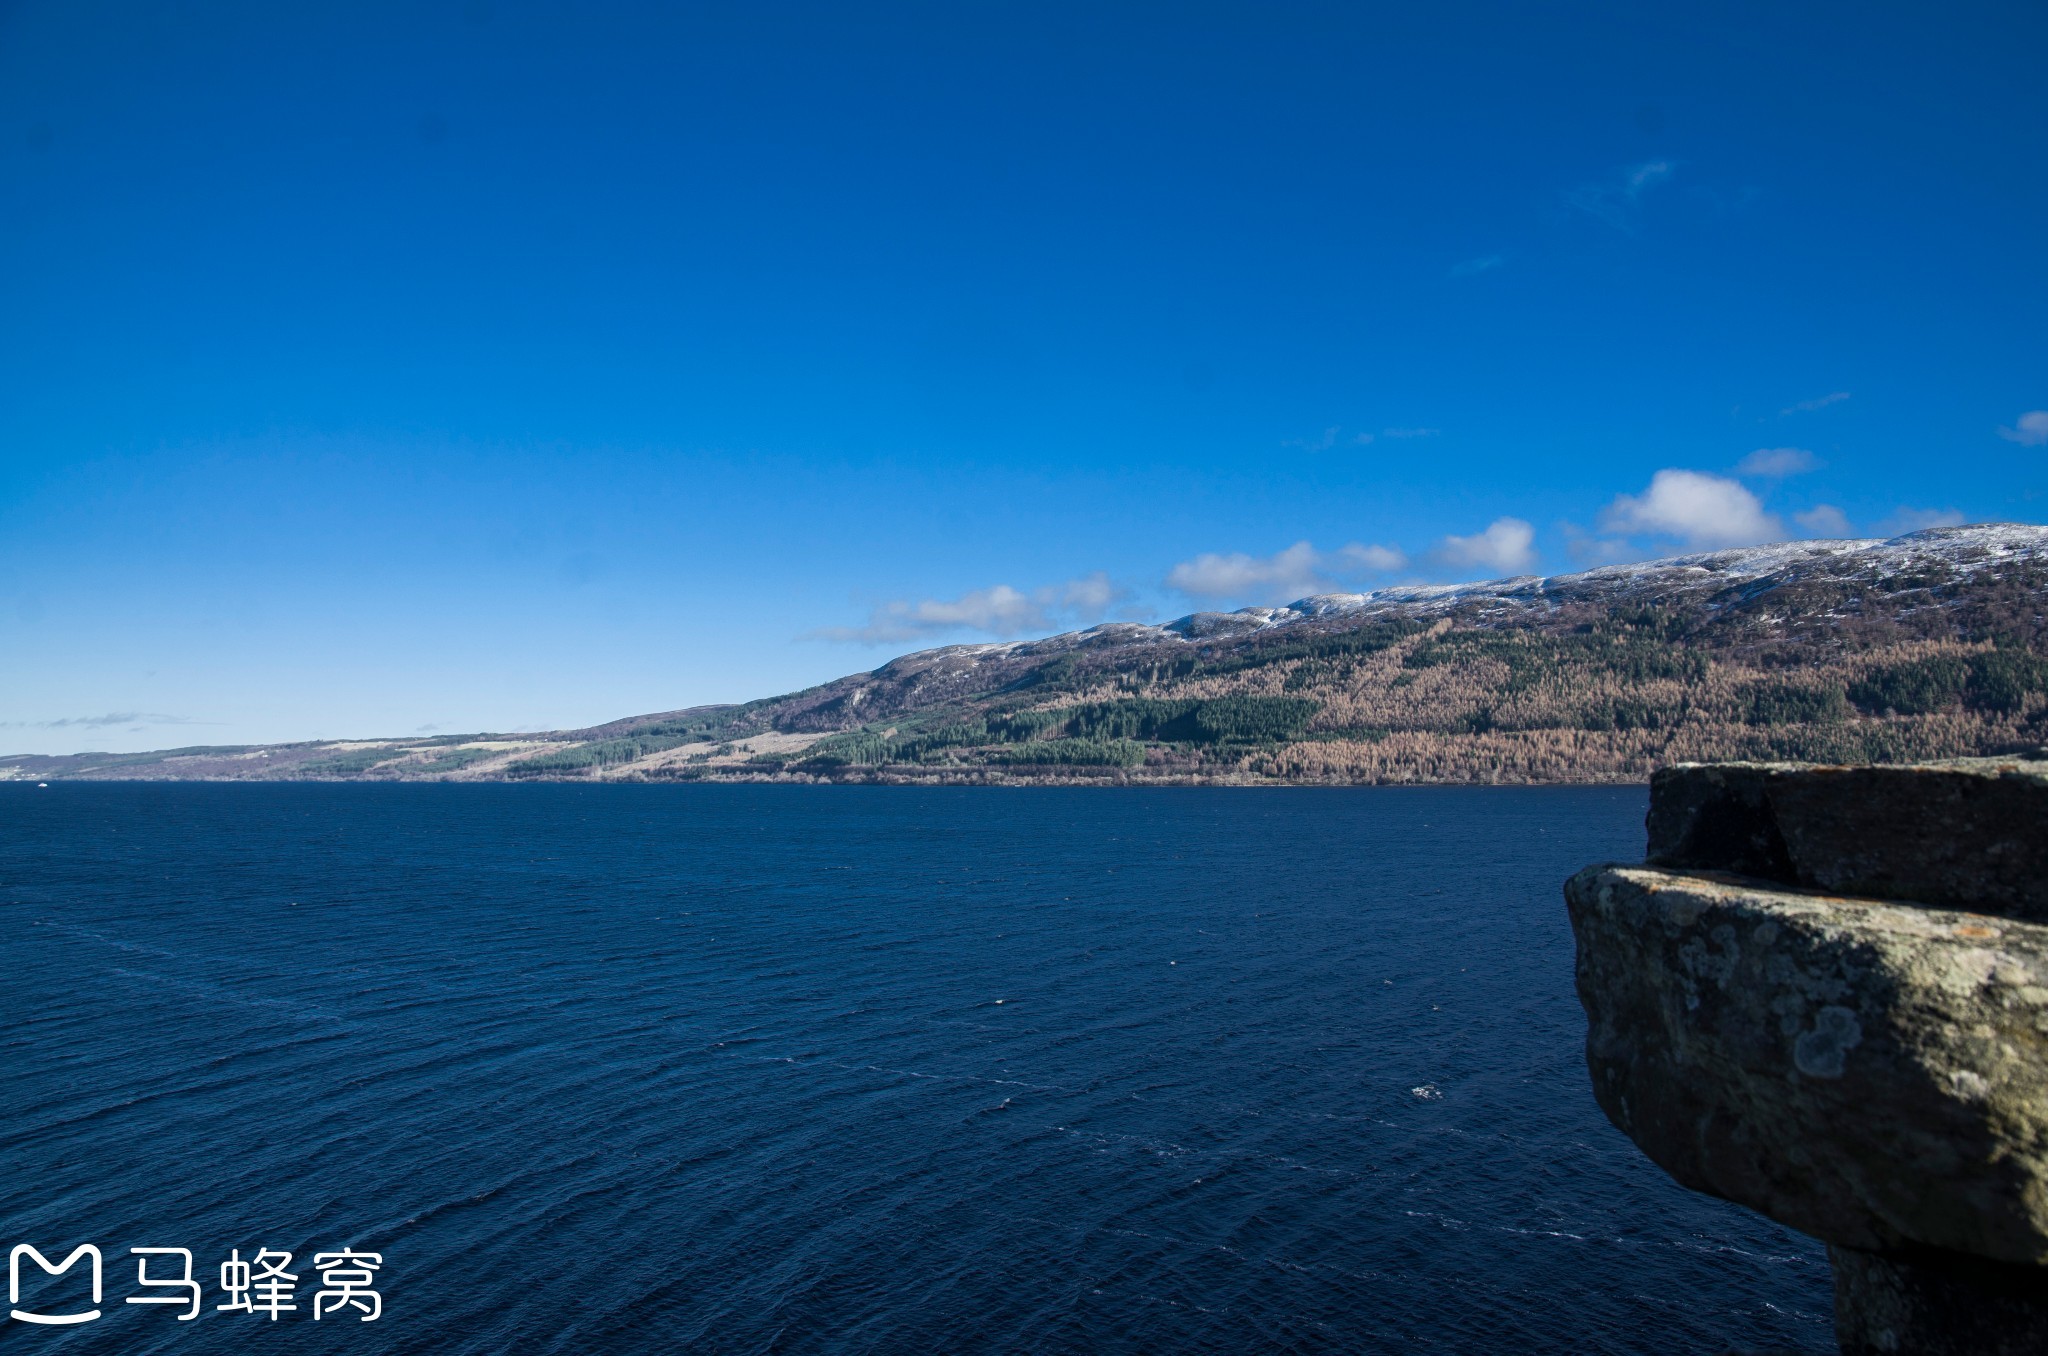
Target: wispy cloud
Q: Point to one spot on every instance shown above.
(1904, 520)
(1617, 200)
(1296, 572)
(111, 720)
(1507, 544)
(1698, 509)
(1356, 559)
(1823, 520)
(1817, 403)
(997, 611)
(1471, 268)
(1322, 442)
(1588, 549)
(1648, 175)
(1237, 575)
(2029, 430)
(1410, 432)
(1330, 437)
(1775, 463)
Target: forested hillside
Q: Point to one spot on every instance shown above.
(1931, 645)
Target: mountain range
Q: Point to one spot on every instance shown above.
(1928, 645)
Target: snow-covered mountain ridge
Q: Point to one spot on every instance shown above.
(1700, 579)
(1961, 551)
(1964, 550)
(1933, 644)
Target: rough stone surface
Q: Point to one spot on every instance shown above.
(1937, 1305)
(1874, 1074)
(1969, 833)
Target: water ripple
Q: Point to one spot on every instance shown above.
(856, 1070)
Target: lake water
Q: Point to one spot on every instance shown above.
(754, 1069)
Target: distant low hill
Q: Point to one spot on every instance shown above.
(1928, 645)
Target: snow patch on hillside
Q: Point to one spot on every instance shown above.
(1964, 551)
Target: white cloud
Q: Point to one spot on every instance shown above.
(1371, 559)
(1506, 544)
(1410, 432)
(1588, 549)
(2029, 430)
(1091, 593)
(1296, 572)
(1817, 403)
(997, 611)
(1775, 463)
(1616, 200)
(1823, 520)
(130, 720)
(1473, 267)
(1000, 610)
(1237, 575)
(1698, 509)
(1905, 520)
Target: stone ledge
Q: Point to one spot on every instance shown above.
(1965, 833)
(1935, 1304)
(1874, 1074)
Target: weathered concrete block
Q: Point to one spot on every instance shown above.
(1969, 833)
(1873, 1074)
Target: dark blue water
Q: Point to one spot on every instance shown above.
(754, 1069)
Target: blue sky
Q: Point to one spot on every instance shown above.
(490, 365)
